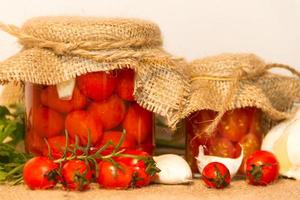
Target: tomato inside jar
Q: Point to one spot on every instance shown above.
(237, 128)
(101, 106)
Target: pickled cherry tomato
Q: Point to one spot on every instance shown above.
(138, 123)
(97, 85)
(222, 147)
(81, 124)
(34, 143)
(110, 112)
(47, 122)
(125, 86)
(234, 124)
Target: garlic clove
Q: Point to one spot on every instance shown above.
(174, 170)
(65, 89)
(233, 164)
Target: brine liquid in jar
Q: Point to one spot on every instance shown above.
(101, 107)
(237, 128)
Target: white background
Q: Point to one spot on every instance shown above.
(191, 28)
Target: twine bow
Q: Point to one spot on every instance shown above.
(239, 75)
(100, 50)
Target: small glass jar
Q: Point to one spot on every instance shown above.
(237, 128)
(101, 107)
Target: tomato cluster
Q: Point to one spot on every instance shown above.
(238, 127)
(76, 172)
(102, 106)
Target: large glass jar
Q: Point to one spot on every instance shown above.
(101, 106)
(237, 128)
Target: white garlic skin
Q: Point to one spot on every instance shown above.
(174, 170)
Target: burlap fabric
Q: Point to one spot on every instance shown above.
(57, 49)
(230, 81)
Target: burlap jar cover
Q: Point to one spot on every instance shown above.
(230, 81)
(57, 49)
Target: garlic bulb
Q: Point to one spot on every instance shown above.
(233, 164)
(174, 170)
(284, 141)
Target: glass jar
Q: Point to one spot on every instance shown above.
(239, 126)
(101, 106)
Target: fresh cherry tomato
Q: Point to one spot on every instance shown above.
(234, 124)
(125, 85)
(143, 167)
(47, 122)
(222, 147)
(80, 123)
(262, 168)
(110, 112)
(97, 85)
(113, 177)
(138, 123)
(76, 175)
(40, 173)
(216, 175)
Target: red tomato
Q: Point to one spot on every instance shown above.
(57, 146)
(147, 146)
(216, 175)
(97, 85)
(34, 143)
(138, 123)
(222, 147)
(143, 170)
(250, 144)
(125, 85)
(112, 177)
(255, 123)
(49, 97)
(262, 168)
(81, 123)
(234, 124)
(110, 112)
(76, 175)
(40, 173)
(115, 137)
(47, 122)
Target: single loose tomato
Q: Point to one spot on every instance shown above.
(40, 173)
(125, 85)
(138, 123)
(76, 175)
(112, 177)
(250, 144)
(49, 97)
(234, 124)
(47, 122)
(262, 168)
(115, 136)
(222, 147)
(216, 175)
(110, 112)
(97, 85)
(80, 123)
(57, 146)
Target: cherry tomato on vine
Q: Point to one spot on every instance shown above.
(76, 175)
(262, 168)
(112, 177)
(216, 175)
(40, 173)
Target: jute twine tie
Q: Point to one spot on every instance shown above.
(239, 75)
(100, 51)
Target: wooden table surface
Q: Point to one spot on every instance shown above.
(281, 190)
